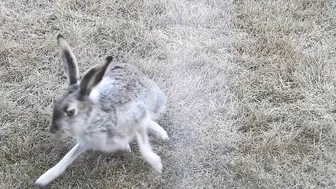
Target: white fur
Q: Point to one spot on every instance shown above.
(147, 153)
(94, 95)
(158, 130)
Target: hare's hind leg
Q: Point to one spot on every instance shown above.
(60, 167)
(146, 150)
(153, 126)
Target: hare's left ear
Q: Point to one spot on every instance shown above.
(92, 77)
(69, 59)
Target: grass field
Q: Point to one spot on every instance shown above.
(250, 88)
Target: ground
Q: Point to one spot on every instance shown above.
(250, 88)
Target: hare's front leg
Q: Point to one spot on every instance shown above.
(146, 150)
(60, 167)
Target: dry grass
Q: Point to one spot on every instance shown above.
(286, 54)
(250, 86)
(177, 43)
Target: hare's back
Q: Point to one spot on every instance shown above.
(124, 84)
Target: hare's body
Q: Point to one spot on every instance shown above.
(113, 104)
(124, 86)
(125, 101)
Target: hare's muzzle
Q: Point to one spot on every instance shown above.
(54, 127)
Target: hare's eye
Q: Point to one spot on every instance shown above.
(70, 112)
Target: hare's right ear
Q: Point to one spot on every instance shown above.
(69, 59)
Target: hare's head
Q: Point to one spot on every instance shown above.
(72, 110)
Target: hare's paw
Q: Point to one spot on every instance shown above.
(47, 177)
(128, 148)
(155, 161)
(160, 132)
(164, 135)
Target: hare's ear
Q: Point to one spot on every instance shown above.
(92, 77)
(69, 59)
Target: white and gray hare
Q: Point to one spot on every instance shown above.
(112, 105)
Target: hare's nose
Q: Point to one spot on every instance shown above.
(54, 127)
(52, 130)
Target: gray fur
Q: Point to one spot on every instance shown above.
(120, 104)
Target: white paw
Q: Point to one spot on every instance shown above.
(47, 177)
(155, 161)
(164, 135)
(158, 130)
(128, 148)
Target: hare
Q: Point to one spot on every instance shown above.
(111, 105)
